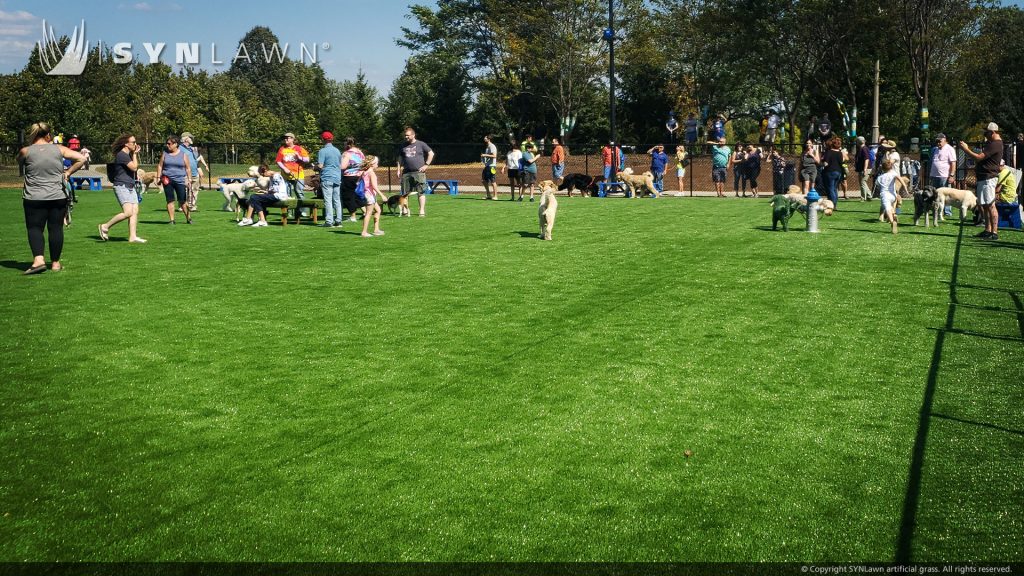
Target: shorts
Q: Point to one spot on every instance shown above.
(413, 181)
(513, 175)
(986, 191)
(125, 194)
(557, 170)
(718, 174)
(809, 174)
(680, 172)
(528, 177)
(489, 174)
(176, 190)
(888, 202)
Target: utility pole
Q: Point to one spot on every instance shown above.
(609, 35)
(874, 117)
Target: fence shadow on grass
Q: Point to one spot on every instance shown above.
(912, 499)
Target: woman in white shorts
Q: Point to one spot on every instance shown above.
(121, 173)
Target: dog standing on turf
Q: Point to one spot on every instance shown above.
(638, 183)
(963, 199)
(926, 203)
(548, 209)
(587, 185)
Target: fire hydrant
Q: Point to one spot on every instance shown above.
(812, 210)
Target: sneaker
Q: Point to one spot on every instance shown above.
(353, 219)
(378, 233)
(260, 224)
(983, 234)
(172, 223)
(336, 225)
(327, 225)
(990, 236)
(245, 222)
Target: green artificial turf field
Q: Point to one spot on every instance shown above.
(460, 390)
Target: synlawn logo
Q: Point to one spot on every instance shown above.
(72, 61)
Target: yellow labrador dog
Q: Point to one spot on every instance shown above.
(963, 199)
(548, 209)
(146, 178)
(637, 183)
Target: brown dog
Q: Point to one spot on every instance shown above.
(146, 178)
(548, 209)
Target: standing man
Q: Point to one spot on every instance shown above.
(773, 127)
(862, 166)
(943, 170)
(329, 161)
(195, 183)
(557, 160)
(987, 168)
(290, 158)
(690, 129)
(659, 164)
(413, 159)
(490, 173)
(606, 158)
(721, 158)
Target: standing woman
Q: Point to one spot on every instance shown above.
(834, 158)
(809, 161)
(122, 176)
(738, 172)
(43, 197)
(174, 164)
(752, 166)
(351, 159)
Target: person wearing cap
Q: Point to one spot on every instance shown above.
(987, 166)
(328, 159)
(290, 158)
(196, 177)
(861, 165)
(943, 169)
(659, 165)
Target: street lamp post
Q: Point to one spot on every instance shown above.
(609, 35)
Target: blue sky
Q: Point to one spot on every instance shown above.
(360, 34)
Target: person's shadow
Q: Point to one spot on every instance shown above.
(15, 265)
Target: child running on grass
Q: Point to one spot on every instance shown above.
(886, 185)
(370, 192)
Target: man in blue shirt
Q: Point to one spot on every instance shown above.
(329, 162)
(659, 164)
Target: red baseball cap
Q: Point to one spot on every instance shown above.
(327, 136)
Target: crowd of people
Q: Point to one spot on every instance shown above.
(348, 181)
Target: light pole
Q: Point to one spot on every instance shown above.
(609, 35)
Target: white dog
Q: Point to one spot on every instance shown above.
(964, 199)
(548, 209)
(637, 183)
(824, 205)
(235, 191)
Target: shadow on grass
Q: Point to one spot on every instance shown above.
(525, 234)
(912, 499)
(16, 265)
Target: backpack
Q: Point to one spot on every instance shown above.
(361, 190)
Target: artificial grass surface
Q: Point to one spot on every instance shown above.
(460, 390)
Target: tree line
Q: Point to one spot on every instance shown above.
(540, 67)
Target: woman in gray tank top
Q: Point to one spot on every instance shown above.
(175, 166)
(43, 197)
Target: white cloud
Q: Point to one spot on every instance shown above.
(19, 30)
(147, 7)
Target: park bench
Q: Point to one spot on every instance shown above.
(313, 204)
(85, 183)
(605, 188)
(452, 186)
